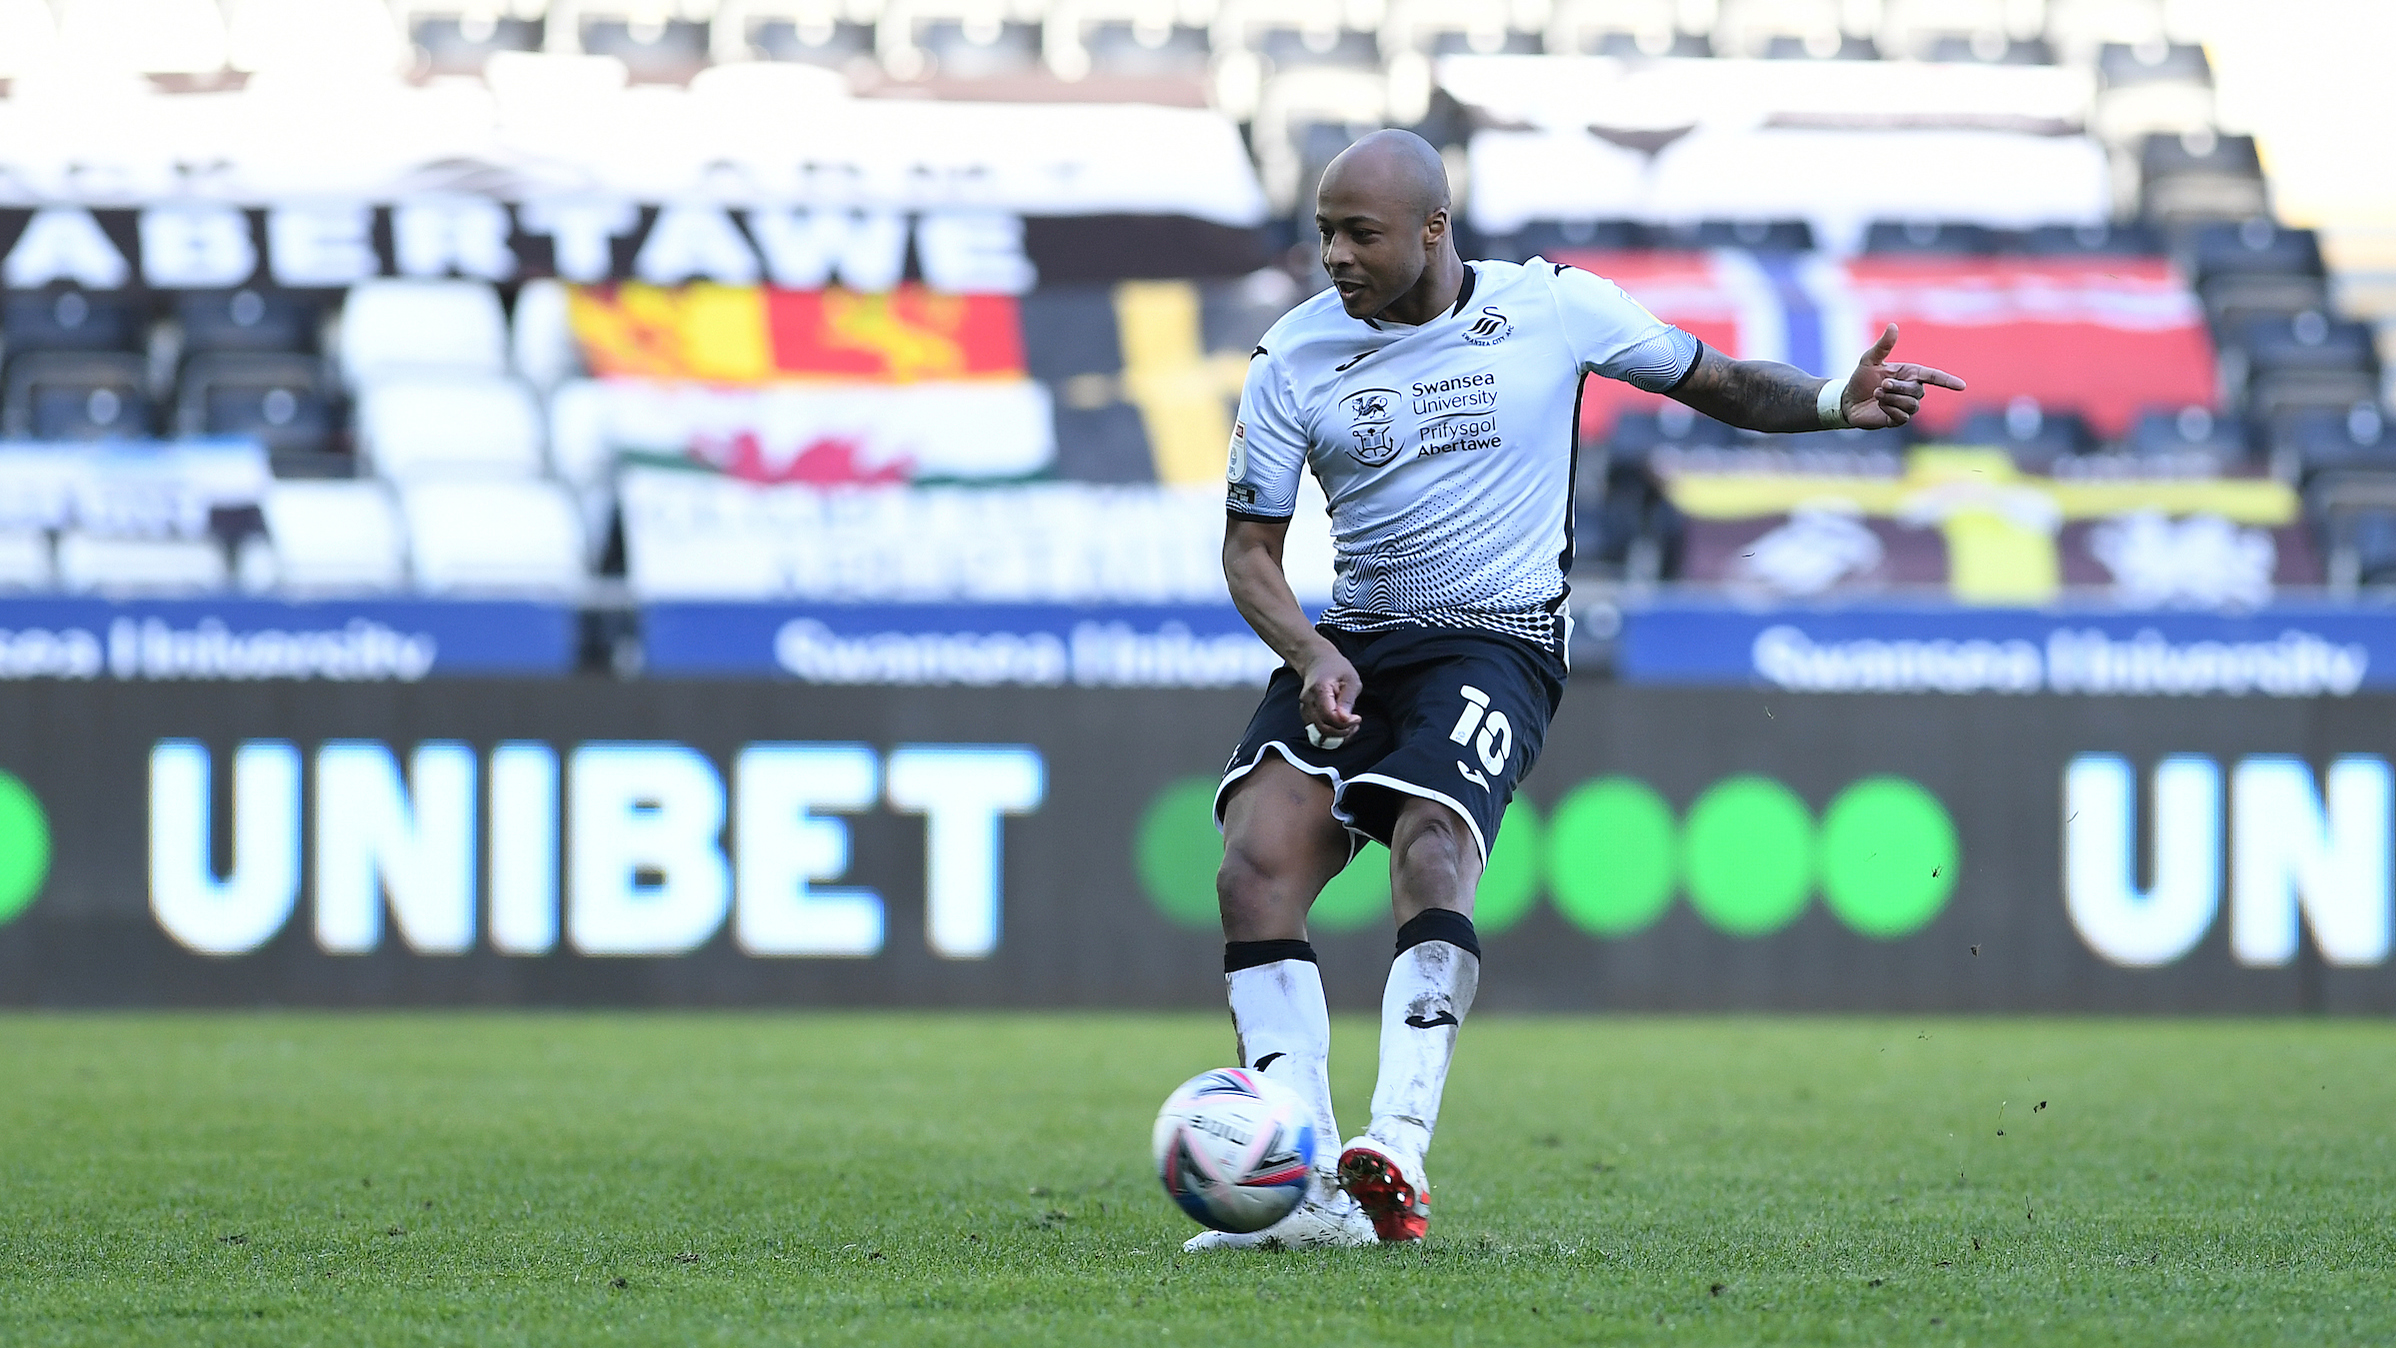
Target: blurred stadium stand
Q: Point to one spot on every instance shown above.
(607, 393)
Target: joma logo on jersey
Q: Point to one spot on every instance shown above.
(1490, 328)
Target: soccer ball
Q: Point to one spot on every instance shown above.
(1234, 1149)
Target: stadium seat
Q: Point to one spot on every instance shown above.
(335, 536)
(110, 565)
(2254, 246)
(457, 37)
(253, 318)
(1787, 29)
(1460, 27)
(955, 39)
(2151, 88)
(2079, 29)
(2310, 440)
(450, 426)
(1917, 28)
(317, 41)
(1639, 433)
(494, 537)
(2115, 239)
(393, 327)
(1756, 236)
(2200, 175)
(811, 32)
(659, 41)
(1987, 48)
(2034, 436)
(1125, 39)
(278, 400)
(541, 337)
(77, 395)
(28, 38)
(1630, 28)
(154, 37)
(1935, 237)
(2165, 433)
(71, 320)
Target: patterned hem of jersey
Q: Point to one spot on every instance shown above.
(1537, 627)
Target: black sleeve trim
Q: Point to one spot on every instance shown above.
(1694, 362)
(1254, 518)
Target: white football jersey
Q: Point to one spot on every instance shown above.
(1445, 450)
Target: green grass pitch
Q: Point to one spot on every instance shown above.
(983, 1179)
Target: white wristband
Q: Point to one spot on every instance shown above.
(1826, 405)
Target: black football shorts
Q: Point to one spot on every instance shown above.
(1450, 714)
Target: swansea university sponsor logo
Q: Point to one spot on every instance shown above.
(605, 848)
(1370, 412)
(2071, 660)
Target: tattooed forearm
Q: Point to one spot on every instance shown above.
(1756, 395)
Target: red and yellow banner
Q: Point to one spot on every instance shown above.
(758, 335)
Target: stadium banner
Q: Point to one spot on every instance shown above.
(963, 645)
(695, 843)
(2110, 337)
(2284, 652)
(247, 640)
(973, 247)
(1970, 520)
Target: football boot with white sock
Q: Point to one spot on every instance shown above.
(1387, 1183)
(1321, 1222)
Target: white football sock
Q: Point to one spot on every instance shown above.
(1430, 989)
(1284, 1025)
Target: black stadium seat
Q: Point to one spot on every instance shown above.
(2112, 240)
(2188, 430)
(1759, 236)
(2123, 64)
(459, 44)
(2034, 436)
(255, 318)
(1941, 237)
(76, 395)
(71, 320)
(827, 44)
(2329, 439)
(663, 53)
(279, 400)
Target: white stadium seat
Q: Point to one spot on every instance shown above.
(157, 37)
(398, 327)
(335, 536)
(25, 560)
(316, 39)
(139, 565)
(28, 38)
(494, 537)
(450, 426)
(541, 337)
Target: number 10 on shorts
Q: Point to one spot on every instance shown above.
(1497, 733)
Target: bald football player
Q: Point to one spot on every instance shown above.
(1435, 400)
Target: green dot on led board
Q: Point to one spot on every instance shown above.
(1747, 851)
(1889, 857)
(1610, 856)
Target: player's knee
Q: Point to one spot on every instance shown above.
(1434, 846)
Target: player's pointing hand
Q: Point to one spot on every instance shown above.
(1881, 394)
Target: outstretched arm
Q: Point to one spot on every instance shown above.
(1327, 683)
(1765, 395)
